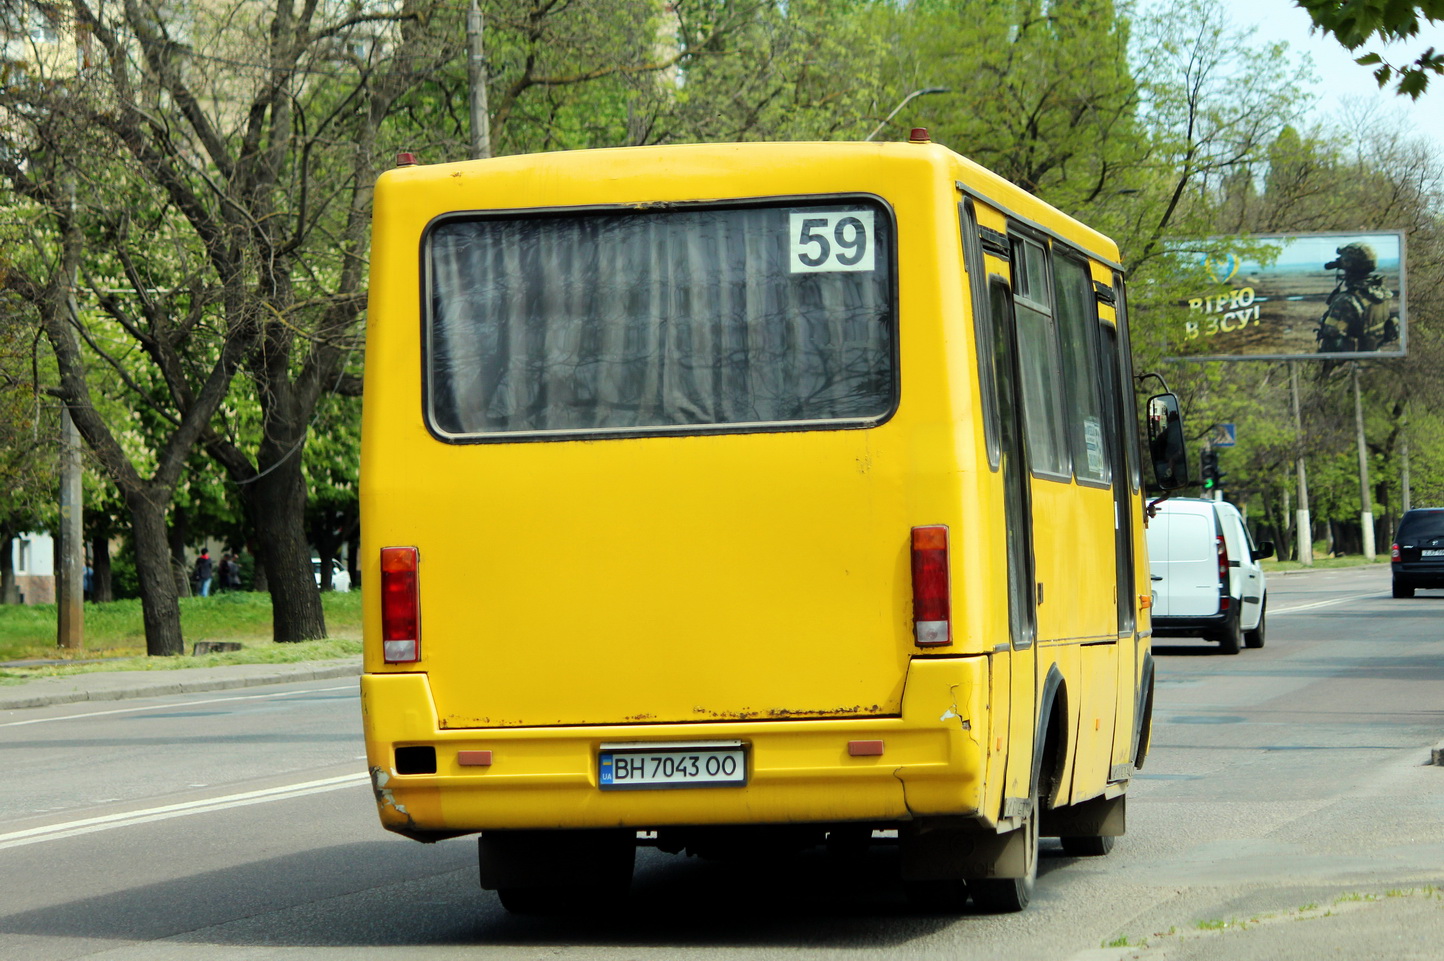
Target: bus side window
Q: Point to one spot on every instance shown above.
(1039, 363)
(1077, 334)
(983, 334)
(1125, 374)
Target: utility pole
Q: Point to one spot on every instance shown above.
(476, 77)
(1305, 532)
(70, 539)
(1366, 501)
(69, 542)
(1405, 497)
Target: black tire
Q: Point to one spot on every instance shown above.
(1088, 847)
(575, 900)
(1229, 637)
(537, 901)
(558, 872)
(938, 897)
(849, 843)
(1255, 638)
(1009, 895)
(1401, 589)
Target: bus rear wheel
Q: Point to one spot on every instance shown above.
(557, 872)
(1008, 895)
(1088, 846)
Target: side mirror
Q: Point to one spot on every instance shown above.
(1265, 549)
(1165, 442)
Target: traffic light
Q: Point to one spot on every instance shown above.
(1208, 463)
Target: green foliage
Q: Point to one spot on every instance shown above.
(1361, 22)
(1040, 93)
(803, 70)
(124, 581)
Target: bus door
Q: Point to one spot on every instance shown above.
(1017, 506)
(996, 332)
(1127, 487)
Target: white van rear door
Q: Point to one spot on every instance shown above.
(1187, 560)
(1245, 575)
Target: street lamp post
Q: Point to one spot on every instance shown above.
(905, 101)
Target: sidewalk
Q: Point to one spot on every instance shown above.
(117, 685)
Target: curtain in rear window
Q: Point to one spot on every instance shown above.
(657, 320)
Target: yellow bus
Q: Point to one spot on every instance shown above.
(718, 496)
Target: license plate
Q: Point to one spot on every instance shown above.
(1431, 553)
(672, 764)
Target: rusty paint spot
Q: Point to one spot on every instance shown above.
(384, 796)
(855, 710)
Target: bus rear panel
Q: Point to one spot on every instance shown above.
(687, 513)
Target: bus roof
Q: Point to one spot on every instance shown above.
(682, 172)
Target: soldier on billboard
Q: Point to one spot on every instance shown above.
(1359, 315)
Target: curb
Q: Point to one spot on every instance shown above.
(118, 685)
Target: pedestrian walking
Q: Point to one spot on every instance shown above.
(203, 572)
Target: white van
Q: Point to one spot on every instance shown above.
(1206, 577)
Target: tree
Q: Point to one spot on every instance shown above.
(29, 436)
(1040, 93)
(1209, 113)
(232, 232)
(1355, 24)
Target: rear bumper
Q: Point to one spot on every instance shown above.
(800, 771)
(1194, 626)
(1419, 574)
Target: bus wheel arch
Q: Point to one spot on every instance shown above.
(1143, 727)
(1050, 739)
(1017, 862)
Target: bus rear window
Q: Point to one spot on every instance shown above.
(675, 320)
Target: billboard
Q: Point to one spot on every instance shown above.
(1327, 295)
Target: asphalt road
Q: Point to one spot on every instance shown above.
(1286, 811)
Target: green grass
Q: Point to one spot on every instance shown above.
(1323, 562)
(114, 632)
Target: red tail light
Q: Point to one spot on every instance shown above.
(400, 605)
(1394, 552)
(932, 593)
(1223, 573)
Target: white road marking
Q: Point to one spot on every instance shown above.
(1329, 603)
(163, 707)
(70, 829)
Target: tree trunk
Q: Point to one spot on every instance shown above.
(280, 519)
(177, 535)
(1278, 529)
(353, 557)
(159, 607)
(101, 590)
(9, 594)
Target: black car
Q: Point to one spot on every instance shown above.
(1418, 552)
